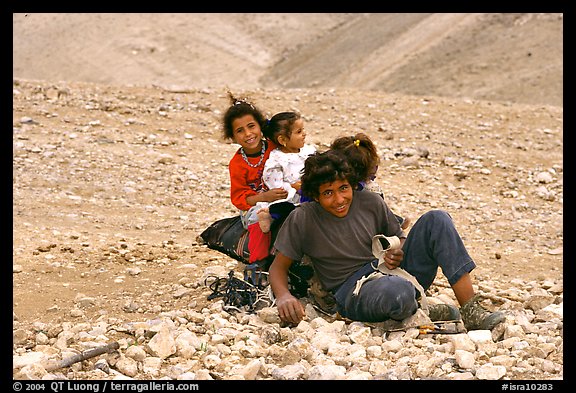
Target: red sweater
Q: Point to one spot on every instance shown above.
(245, 180)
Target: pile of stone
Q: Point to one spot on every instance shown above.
(229, 345)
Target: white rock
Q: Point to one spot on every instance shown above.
(479, 336)
(489, 371)
(464, 359)
(326, 372)
(162, 344)
(127, 366)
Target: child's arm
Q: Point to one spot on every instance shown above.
(240, 196)
(240, 190)
(267, 196)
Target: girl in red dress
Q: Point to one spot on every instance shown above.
(243, 124)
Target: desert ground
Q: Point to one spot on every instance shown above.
(119, 165)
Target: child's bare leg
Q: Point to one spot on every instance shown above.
(264, 219)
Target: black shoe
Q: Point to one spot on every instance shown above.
(476, 317)
(443, 312)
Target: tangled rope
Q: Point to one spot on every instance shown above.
(238, 294)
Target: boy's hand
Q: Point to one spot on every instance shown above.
(290, 309)
(393, 258)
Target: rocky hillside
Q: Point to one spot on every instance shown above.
(503, 57)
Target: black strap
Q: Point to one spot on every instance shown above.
(235, 292)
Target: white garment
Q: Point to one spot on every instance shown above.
(282, 169)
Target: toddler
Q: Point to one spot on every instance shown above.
(283, 167)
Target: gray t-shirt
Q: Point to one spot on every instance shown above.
(337, 246)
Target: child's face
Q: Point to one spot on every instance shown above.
(247, 133)
(336, 197)
(298, 136)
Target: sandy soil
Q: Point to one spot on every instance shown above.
(112, 186)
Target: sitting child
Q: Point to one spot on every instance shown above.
(363, 158)
(243, 123)
(283, 167)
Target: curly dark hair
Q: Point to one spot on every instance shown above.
(360, 152)
(325, 167)
(239, 108)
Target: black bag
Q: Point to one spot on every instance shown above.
(228, 236)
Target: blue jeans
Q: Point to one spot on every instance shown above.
(432, 242)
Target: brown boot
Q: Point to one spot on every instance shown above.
(443, 312)
(476, 317)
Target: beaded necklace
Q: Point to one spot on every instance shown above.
(261, 156)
